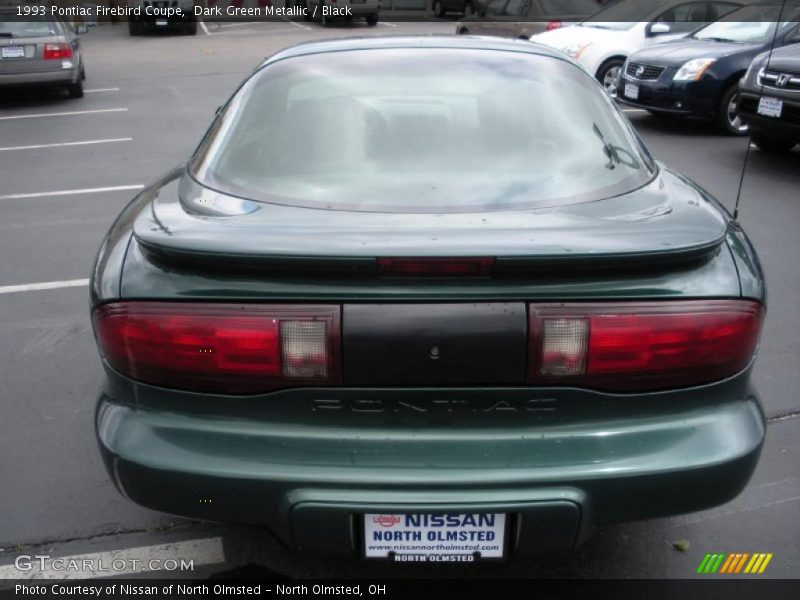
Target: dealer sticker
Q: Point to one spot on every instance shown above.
(434, 537)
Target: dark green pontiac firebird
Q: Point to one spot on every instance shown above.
(426, 298)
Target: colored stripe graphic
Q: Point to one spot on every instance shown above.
(720, 562)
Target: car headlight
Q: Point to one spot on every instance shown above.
(693, 70)
(757, 66)
(575, 50)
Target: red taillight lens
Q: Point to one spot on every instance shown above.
(227, 348)
(554, 25)
(56, 51)
(435, 267)
(642, 346)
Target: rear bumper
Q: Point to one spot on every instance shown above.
(60, 77)
(308, 483)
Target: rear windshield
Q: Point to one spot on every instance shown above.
(421, 130)
(13, 27)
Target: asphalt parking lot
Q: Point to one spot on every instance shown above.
(67, 167)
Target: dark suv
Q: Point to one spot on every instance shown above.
(769, 99)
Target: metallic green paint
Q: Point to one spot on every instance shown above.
(304, 461)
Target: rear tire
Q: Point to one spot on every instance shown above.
(75, 90)
(134, 28)
(191, 29)
(372, 20)
(307, 13)
(463, 31)
(438, 9)
(771, 145)
(728, 121)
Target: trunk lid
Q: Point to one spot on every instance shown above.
(664, 222)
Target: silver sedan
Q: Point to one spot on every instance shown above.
(43, 52)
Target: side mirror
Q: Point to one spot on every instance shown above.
(658, 29)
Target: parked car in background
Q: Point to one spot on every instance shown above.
(162, 18)
(41, 52)
(523, 18)
(603, 42)
(323, 11)
(464, 7)
(331, 323)
(769, 98)
(699, 76)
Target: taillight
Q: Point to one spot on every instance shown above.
(641, 346)
(555, 24)
(227, 348)
(435, 267)
(56, 51)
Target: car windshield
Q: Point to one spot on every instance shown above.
(754, 24)
(568, 7)
(513, 8)
(13, 27)
(624, 15)
(421, 130)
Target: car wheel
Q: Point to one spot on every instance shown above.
(134, 28)
(462, 31)
(372, 20)
(608, 73)
(306, 11)
(469, 9)
(191, 29)
(728, 118)
(75, 90)
(83, 73)
(771, 145)
(438, 9)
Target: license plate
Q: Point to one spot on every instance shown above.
(631, 91)
(770, 107)
(161, 22)
(13, 52)
(434, 537)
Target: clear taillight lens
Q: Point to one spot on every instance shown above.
(227, 348)
(641, 346)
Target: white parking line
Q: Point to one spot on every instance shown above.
(46, 285)
(305, 27)
(203, 26)
(389, 24)
(63, 144)
(64, 114)
(115, 188)
(99, 90)
(127, 561)
(633, 110)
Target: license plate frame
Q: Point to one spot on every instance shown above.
(631, 91)
(13, 52)
(770, 107)
(407, 550)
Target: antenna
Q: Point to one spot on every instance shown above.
(760, 94)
